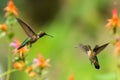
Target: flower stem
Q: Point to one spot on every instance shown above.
(9, 67)
(9, 62)
(8, 72)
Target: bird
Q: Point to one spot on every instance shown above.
(92, 53)
(32, 36)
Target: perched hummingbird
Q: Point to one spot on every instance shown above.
(32, 36)
(92, 53)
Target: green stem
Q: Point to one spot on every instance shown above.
(9, 67)
(118, 68)
(8, 72)
(9, 62)
(9, 38)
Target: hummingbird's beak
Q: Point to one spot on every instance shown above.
(49, 35)
(76, 47)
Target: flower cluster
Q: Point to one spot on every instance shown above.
(33, 70)
(16, 43)
(36, 68)
(19, 55)
(10, 13)
(114, 22)
(41, 62)
(11, 9)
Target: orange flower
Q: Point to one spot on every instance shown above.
(42, 62)
(71, 77)
(29, 69)
(3, 27)
(19, 65)
(114, 22)
(30, 72)
(11, 8)
(117, 46)
(16, 43)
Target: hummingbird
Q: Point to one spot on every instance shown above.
(32, 36)
(92, 53)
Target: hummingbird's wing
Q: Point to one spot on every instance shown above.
(28, 30)
(98, 49)
(85, 48)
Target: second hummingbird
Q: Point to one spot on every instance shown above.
(32, 36)
(92, 53)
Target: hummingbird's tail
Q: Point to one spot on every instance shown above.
(97, 66)
(21, 46)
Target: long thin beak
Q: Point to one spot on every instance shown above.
(76, 47)
(49, 35)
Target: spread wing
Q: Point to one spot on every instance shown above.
(26, 28)
(85, 48)
(98, 49)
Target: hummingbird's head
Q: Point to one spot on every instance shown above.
(41, 34)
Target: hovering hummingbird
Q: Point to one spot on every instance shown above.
(92, 53)
(32, 36)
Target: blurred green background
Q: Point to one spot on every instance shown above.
(71, 22)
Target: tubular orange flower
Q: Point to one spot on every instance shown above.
(19, 65)
(11, 8)
(29, 69)
(71, 77)
(3, 27)
(30, 72)
(41, 61)
(114, 22)
(16, 43)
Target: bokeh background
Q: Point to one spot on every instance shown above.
(71, 22)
